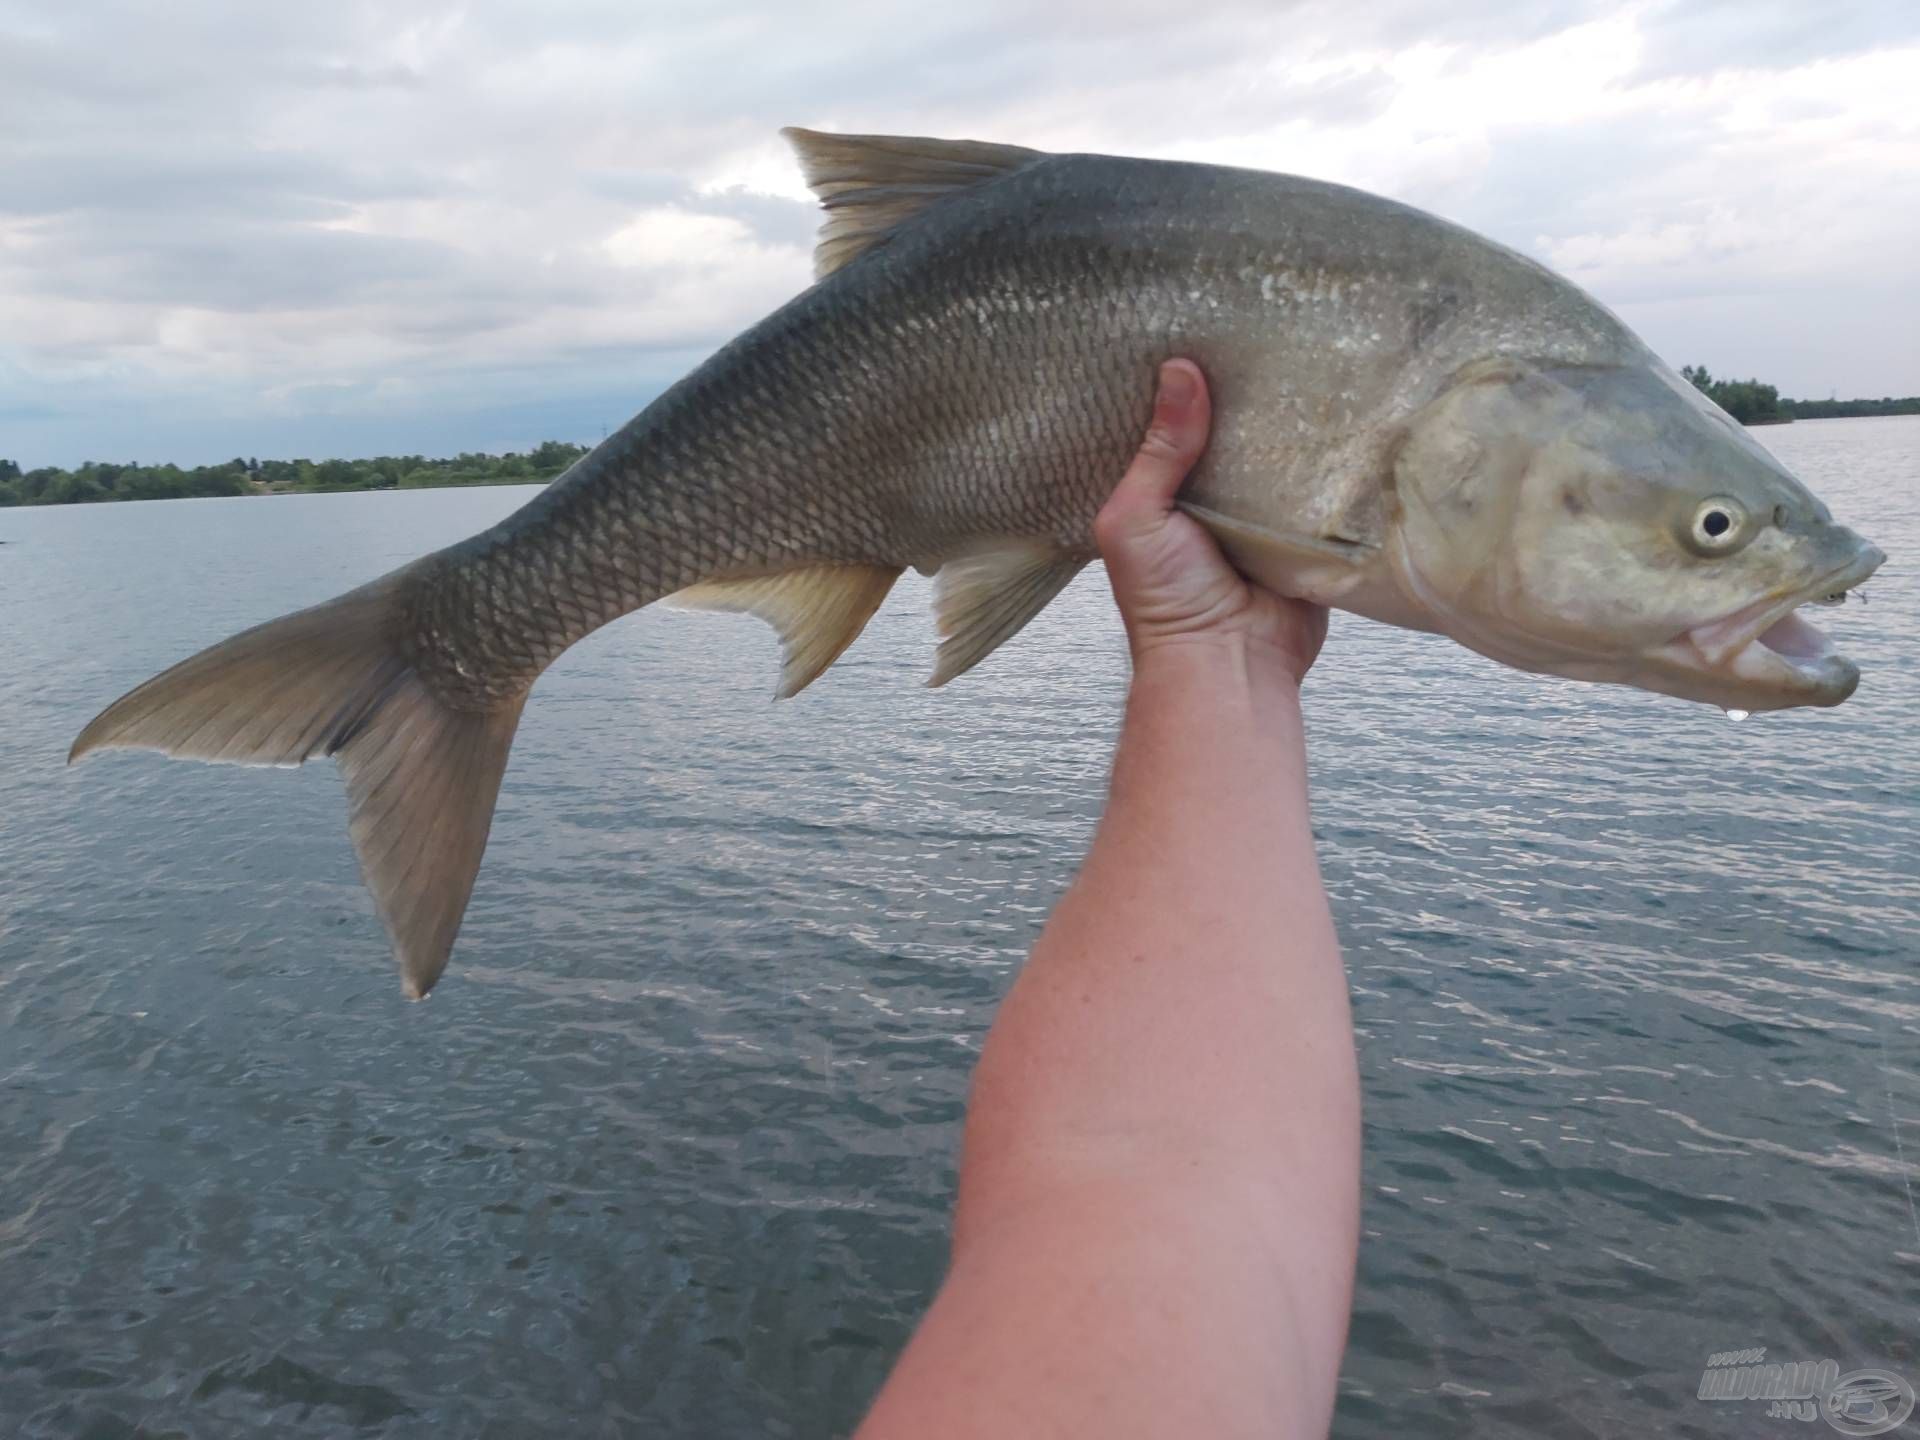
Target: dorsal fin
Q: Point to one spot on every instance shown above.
(869, 184)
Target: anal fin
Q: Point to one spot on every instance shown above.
(819, 611)
(982, 599)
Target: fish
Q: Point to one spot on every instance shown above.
(1411, 422)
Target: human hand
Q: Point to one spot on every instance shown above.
(1173, 586)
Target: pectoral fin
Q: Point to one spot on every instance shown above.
(1304, 566)
(982, 600)
(818, 611)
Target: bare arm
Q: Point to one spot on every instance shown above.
(1159, 1191)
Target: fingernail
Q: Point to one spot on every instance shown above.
(1176, 386)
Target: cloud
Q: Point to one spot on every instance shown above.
(1716, 238)
(221, 218)
(1690, 37)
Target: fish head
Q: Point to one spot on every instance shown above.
(1611, 523)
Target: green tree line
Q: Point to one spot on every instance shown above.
(1753, 402)
(1840, 409)
(95, 480)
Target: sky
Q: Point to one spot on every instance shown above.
(352, 228)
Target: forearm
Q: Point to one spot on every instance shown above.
(1187, 995)
(1179, 1044)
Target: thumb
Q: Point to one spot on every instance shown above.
(1166, 573)
(1181, 414)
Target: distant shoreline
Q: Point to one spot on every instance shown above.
(97, 483)
(1852, 409)
(1754, 402)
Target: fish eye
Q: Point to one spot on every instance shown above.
(1718, 525)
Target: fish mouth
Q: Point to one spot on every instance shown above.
(1766, 656)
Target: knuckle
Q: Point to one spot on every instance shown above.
(1111, 525)
(1165, 443)
(1122, 528)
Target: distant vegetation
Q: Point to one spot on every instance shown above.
(1753, 403)
(1840, 409)
(1748, 401)
(97, 481)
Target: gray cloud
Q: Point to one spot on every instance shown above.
(237, 266)
(142, 178)
(1695, 36)
(218, 217)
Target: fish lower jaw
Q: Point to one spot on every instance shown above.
(1772, 660)
(1767, 656)
(1790, 643)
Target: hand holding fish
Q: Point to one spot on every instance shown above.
(1158, 1207)
(1172, 584)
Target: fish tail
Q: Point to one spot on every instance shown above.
(422, 775)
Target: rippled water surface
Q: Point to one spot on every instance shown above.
(671, 1148)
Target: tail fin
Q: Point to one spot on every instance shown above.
(421, 776)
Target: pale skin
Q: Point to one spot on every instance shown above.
(1159, 1187)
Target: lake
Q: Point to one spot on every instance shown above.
(671, 1148)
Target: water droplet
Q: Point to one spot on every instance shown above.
(1737, 714)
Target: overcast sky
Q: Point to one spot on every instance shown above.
(353, 228)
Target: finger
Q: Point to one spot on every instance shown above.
(1172, 446)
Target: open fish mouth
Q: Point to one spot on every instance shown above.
(1769, 646)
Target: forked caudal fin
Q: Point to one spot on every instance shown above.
(422, 777)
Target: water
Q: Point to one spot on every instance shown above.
(670, 1149)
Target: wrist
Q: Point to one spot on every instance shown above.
(1217, 663)
(1213, 742)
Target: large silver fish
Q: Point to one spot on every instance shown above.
(1412, 423)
